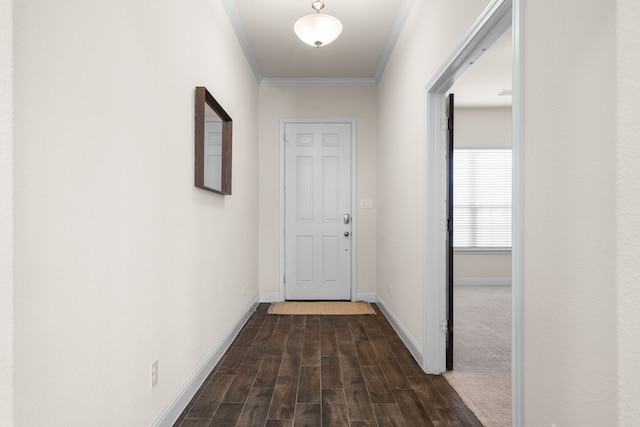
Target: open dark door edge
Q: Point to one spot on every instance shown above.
(449, 110)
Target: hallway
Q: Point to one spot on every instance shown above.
(322, 371)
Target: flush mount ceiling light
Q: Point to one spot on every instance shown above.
(317, 29)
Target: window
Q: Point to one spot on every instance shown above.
(482, 199)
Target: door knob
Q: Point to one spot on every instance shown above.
(346, 234)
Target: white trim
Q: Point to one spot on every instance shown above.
(478, 251)
(275, 296)
(482, 281)
(412, 344)
(282, 211)
(396, 28)
(354, 209)
(354, 217)
(270, 297)
(366, 296)
(195, 381)
(317, 82)
(517, 255)
(236, 22)
(489, 26)
(435, 264)
(394, 34)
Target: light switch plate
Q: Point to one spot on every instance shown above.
(366, 204)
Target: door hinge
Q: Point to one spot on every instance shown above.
(449, 224)
(446, 123)
(284, 279)
(446, 326)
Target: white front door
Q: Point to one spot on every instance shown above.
(317, 181)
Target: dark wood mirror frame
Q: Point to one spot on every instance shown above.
(203, 99)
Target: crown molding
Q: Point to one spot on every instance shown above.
(394, 34)
(236, 22)
(317, 82)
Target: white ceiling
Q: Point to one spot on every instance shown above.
(358, 56)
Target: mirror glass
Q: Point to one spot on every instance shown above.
(212, 144)
(212, 149)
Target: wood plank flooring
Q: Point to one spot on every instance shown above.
(322, 371)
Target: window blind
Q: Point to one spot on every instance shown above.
(482, 198)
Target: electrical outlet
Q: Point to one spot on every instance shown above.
(154, 374)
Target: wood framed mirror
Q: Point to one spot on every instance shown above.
(213, 140)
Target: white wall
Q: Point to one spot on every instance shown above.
(482, 128)
(291, 102)
(6, 213)
(119, 259)
(110, 267)
(482, 269)
(628, 212)
(419, 52)
(569, 189)
(569, 213)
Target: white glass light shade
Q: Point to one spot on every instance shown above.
(317, 29)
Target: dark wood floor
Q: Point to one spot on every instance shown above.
(322, 371)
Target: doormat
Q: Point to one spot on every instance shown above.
(321, 308)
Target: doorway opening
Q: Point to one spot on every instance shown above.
(497, 18)
(479, 367)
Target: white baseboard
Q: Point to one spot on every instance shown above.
(483, 281)
(414, 347)
(275, 296)
(270, 297)
(366, 296)
(189, 389)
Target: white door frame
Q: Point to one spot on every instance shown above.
(496, 18)
(354, 216)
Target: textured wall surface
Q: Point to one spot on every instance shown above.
(628, 211)
(569, 213)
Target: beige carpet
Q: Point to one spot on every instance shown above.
(482, 352)
(321, 307)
